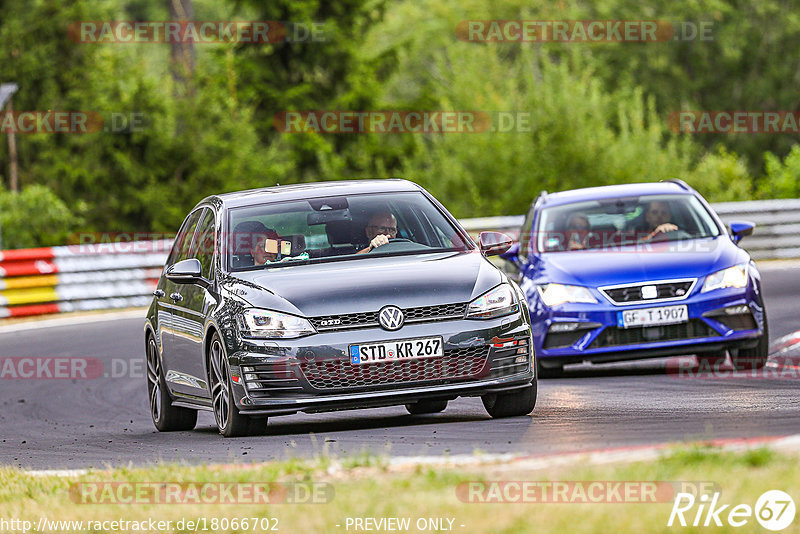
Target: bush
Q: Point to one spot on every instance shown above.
(34, 217)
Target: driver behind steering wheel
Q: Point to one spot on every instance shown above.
(382, 227)
(658, 217)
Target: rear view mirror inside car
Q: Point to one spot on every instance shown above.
(327, 216)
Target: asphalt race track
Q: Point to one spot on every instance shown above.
(66, 423)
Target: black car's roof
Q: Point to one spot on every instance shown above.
(310, 190)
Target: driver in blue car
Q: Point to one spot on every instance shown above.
(658, 217)
(381, 227)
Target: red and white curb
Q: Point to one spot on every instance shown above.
(786, 444)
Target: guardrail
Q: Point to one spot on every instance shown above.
(79, 277)
(119, 275)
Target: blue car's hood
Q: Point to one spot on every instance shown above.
(662, 261)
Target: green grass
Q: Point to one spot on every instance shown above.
(367, 486)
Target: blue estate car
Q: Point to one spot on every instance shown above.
(638, 271)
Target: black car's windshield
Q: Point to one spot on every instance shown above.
(337, 228)
(600, 224)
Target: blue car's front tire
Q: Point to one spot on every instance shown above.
(756, 357)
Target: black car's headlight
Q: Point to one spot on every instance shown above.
(494, 303)
(267, 324)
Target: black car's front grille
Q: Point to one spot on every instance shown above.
(613, 336)
(435, 313)
(327, 323)
(271, 379)
(456, 364)
(340, 322)
(664, 290)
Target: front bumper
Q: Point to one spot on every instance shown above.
(314, 373)
(600, 339)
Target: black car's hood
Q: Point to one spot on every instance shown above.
(361, 285)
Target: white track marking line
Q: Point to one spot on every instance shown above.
(72, 321)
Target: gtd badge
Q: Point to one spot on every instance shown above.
(391, 317)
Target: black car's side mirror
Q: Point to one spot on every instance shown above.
(494, 243)
(186, 272)
(740, 229)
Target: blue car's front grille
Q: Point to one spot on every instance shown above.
(670, 290)
(614, 337)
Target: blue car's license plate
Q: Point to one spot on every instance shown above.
(653, 316)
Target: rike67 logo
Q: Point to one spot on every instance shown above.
(774, 510)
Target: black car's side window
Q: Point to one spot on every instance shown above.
(205, 243)
(183, 241)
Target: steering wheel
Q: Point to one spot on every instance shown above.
(672, 235)
(399, 244)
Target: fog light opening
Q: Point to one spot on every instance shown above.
(737, 310)
(564, 327)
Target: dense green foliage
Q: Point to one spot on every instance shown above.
(35, 216)
(598, 111)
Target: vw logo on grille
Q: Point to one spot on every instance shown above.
(391, 317)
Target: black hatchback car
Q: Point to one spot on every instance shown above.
(332, 296)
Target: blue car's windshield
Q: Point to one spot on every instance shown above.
(339, 228)
(607, 223)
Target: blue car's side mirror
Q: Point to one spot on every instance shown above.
(740, 229)
(512, 254)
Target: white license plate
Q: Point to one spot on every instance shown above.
(402, 349)
(653, 316)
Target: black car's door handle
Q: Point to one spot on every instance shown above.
(159, 293)
(177, 297)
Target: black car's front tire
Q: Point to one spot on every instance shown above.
(513, 404)
(426, 406)
(166, 417)
(230, 422)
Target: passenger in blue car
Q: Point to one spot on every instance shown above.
(578, 228)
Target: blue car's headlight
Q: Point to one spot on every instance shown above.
(268, 324)
(494, 303)
(555, 294)
(735, 276)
